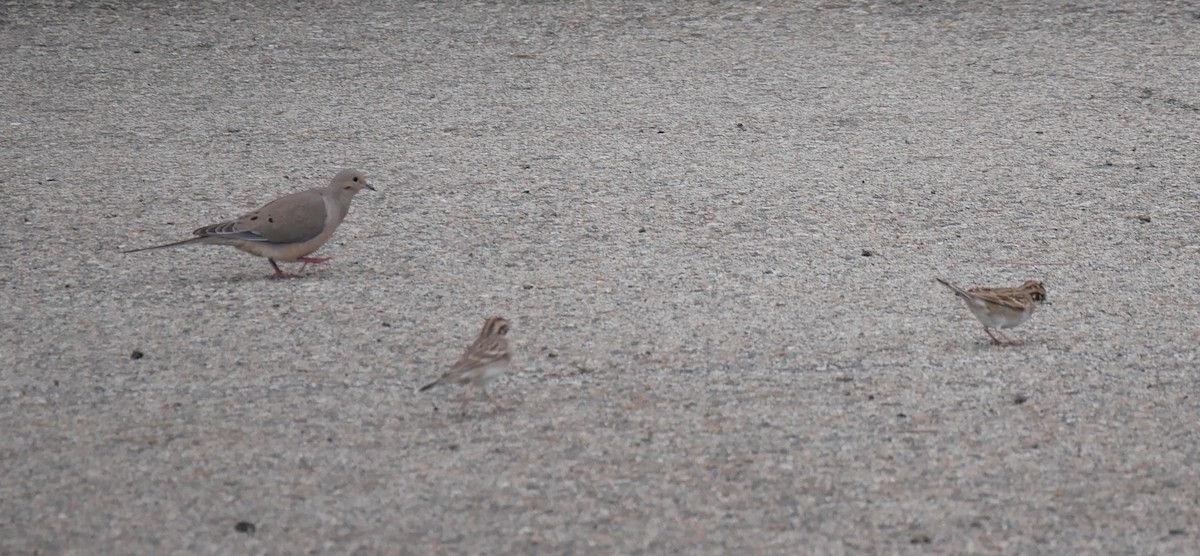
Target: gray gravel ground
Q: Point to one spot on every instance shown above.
(714, 226)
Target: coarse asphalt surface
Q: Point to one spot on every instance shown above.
(715, 227)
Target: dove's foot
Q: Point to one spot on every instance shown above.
(279, 274)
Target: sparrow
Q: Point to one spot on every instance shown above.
(1001, 307)
(487, 358)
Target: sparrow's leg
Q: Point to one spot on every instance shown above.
(1011, 341)
(489, 397)
(466, 398)
(1003, 340)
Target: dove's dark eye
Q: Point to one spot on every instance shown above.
(356, 178)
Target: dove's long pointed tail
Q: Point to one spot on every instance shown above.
(164, 246)
(956, 289)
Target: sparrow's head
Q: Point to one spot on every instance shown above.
(1036, 290)
(495, 326)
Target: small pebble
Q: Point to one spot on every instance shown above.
(136, 354)
(244, 527)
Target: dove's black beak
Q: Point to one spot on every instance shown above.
(369, 186)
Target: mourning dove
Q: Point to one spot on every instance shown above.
(1001, 307)
(287, 229)
(485, 360)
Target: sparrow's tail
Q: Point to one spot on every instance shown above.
(957, 290)
(430, 385)
(176, 244)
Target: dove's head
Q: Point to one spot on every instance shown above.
(350, 181)
(1036, 290)
(495, 326)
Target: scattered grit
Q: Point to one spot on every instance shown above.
(714, 228)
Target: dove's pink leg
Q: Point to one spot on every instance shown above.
(278, 273)
(311, 260)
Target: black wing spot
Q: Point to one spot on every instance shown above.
(271, 220)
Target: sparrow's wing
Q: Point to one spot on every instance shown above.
(482, 353)
(1011, 299)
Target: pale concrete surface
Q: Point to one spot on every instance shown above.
(671, 202)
